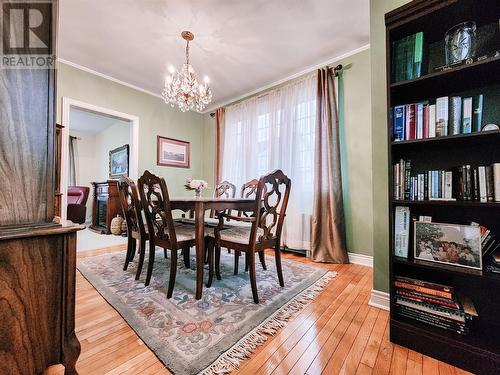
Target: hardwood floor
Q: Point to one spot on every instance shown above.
(338, 333)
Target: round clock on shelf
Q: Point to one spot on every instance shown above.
(460, 42)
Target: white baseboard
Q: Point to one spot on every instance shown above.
(364, 260)
(380, 299)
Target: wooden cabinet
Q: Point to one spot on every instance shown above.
(37, 255)
(58, 194)
(37, 299)
(105, 206)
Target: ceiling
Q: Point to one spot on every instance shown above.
(242, 45)
(91, 122)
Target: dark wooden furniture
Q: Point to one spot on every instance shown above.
(199, 206)
(479, 351)
(269, 208)
(225, 189)
(37, 255)
(106, 205)
(161, 227)
(136, 230)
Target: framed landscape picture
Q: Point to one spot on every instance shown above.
(172, 152)
(458, 245)
(118, 162)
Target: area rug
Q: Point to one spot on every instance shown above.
(214, 334)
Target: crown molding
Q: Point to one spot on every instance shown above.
(105, 76)
(304, 71)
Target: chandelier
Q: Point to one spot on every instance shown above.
(182, 87)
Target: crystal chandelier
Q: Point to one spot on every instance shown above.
(182, 87)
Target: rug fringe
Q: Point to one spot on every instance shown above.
(231, 359)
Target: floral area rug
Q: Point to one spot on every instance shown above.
(214, 334)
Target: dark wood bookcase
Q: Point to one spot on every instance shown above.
(479, 351)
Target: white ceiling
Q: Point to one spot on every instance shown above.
(91, 122)
(241, 45)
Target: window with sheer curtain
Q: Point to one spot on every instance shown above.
(276, 131)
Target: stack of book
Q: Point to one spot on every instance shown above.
(447, 116)
(465, 183)
(407, 57)
(494, 266)
(490, 249)
(433, 304)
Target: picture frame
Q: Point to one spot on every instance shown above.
(452, 244)
(119, 162)
(172, 152)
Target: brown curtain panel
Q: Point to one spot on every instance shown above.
(219, 141)
(328, 227)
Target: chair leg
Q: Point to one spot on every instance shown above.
(151, 262)
(236, 261)
(142, 253)
(185, 254)
(165, 253)
(262, 257)
(217, 263)
(253, 277)
(277, 257)
(246, 263)
(173, 272)
(210, 254)
(128, 256)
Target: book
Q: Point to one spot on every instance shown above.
(496, 182)
(442, 116)
(422, 297)
(419, 122)
(467, 115)
(477, 113)
(482, 184)
(426, 121)
(436, 310)
(432, 121)
(475, 184)
(490, 189)
(448, 187)
(455, 115)
(426, 287)
(410, 122)
(399, 123)
(401, 231)
(407, 179)
(418, 54)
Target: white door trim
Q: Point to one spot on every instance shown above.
(67, 104)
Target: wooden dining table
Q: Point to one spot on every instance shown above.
(199, 206)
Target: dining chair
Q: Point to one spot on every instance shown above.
(163, 231)
(136, 231)
(264, 231)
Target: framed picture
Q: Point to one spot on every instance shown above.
(172, 152)
(455, 244)
(118, 162)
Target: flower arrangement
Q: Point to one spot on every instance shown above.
(197, 185)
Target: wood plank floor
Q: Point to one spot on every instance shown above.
(338, 333)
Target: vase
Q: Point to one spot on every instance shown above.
(197, 193)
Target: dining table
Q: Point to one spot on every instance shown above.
(199, 206)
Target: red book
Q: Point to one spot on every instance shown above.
(410, 122)
(426, 121)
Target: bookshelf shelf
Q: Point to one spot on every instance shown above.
(447, 203)
(480, 136)
(479, 350)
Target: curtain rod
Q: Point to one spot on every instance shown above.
(336, 70)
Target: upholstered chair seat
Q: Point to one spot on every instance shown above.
(238, 234)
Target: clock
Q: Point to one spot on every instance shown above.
(460, 42)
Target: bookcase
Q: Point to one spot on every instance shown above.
(477, 351)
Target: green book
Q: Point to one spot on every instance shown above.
(418, 54)
(409, 56)
(477, 113)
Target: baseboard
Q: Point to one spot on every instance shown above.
(380, 299)
(364, 260)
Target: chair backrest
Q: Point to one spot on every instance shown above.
(156, 205)
(274, 191)
(78, 194)
(226, 190)
(131, 205)
(248, 190)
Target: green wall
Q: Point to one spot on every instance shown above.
(155, 118)
(378, 8)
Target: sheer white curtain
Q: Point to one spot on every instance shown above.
(276, 131)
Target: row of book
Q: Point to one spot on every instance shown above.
(407, 57)
(465, 182)
(433, 304)
(448, 116)
(490, 249)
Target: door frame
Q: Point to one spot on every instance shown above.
(67, 105)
